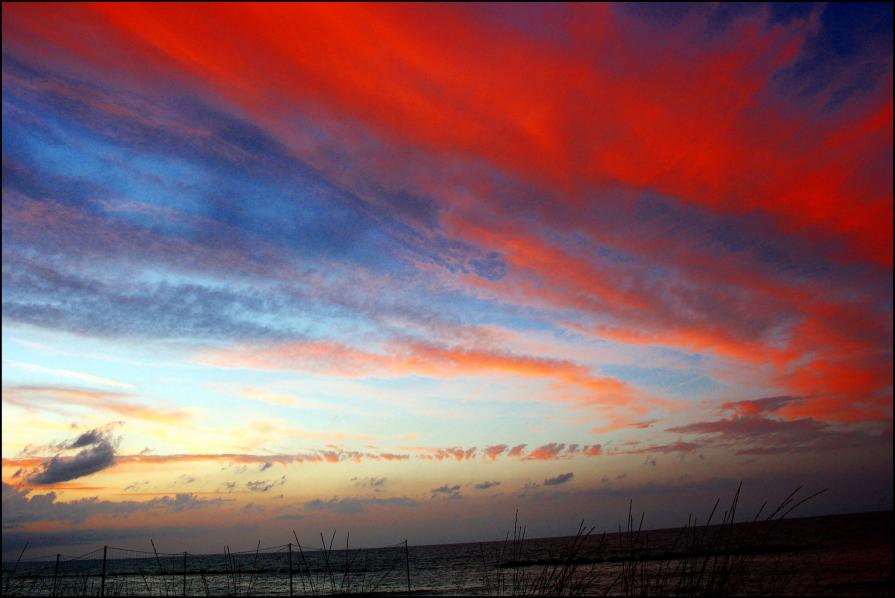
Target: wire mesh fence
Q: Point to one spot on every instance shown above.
(285, 570)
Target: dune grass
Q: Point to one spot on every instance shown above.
(712, 559)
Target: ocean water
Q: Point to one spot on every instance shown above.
(835, 555)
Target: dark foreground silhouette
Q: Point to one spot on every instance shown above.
(769, 554)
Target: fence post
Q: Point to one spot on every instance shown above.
(56, 573)
(407, 564)
(102, 584)
(184, 573)
(290, 568)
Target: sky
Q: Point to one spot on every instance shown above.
(402, 270)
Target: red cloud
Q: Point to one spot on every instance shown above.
(516, 451)
(554, 450)
(759, 406)
(597, 116)
(700, 121)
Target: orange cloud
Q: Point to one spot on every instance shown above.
(547, 452)
(400, 358)
(50, 397)
(493, 452)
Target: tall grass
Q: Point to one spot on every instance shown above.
(348, 572)
(561, 576)
(720, 558)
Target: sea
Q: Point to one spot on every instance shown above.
(840, 555)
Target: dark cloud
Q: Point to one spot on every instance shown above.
(88, 438)
(560, 479)
(357, 505)
(754, 427)
(264, 485)
(759, 435)
(486, 485)
(492, 266)
(674, 447)
(21, 506)
(97, 453)
(446, 490)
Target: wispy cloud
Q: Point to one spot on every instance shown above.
(37, 398)
(673, 447)
(62, 373)
(376, 484)
(401, 358)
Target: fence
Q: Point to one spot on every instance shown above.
(286, 570)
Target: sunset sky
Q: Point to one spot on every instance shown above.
(404, 269)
